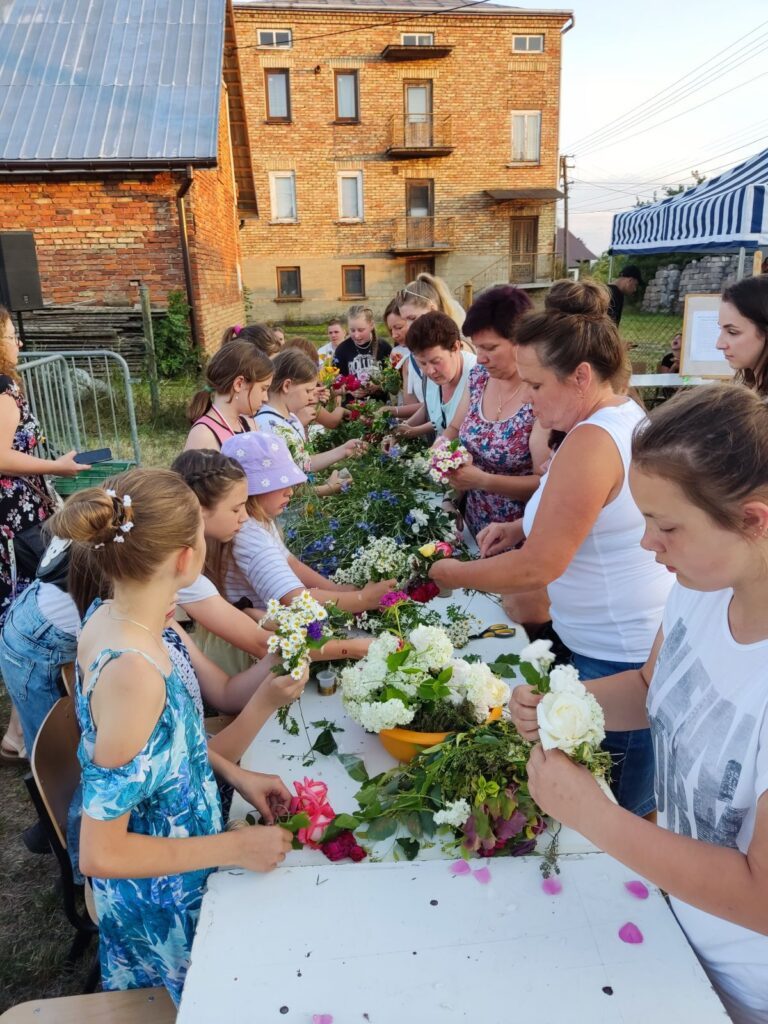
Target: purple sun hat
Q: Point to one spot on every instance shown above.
(266, 461)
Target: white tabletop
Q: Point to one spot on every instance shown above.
(410, 942)
(666, 380)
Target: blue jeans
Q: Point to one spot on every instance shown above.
(631, 751)
(32, 651)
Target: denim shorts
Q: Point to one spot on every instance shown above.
(631, 751)
(32, 651)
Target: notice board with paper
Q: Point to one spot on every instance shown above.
(699, 355)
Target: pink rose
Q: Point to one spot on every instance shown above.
(443, 548)
(312, 799)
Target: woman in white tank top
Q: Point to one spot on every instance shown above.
(582, 526)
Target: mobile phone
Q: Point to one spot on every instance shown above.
(97, 455)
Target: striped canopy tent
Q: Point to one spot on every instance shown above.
(728, 213)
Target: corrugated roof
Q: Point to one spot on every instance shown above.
(117, 81)
(394, 6)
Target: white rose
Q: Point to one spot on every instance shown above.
(566, 720)
(565, 679)
(539, 654)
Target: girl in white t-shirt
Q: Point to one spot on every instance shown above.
(258, 566)
(700, 478)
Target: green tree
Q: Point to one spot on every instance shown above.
(173, 340)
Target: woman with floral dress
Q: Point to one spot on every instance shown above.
(492, 421)
(24, 497)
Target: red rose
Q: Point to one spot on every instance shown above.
(344, 845)
(423, 592)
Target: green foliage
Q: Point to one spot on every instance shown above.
(173, 342)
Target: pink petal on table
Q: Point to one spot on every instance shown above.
(552, 887)
(482, 875)
(630, 933)
(638, 889)
(322, 1018)
(460, 867)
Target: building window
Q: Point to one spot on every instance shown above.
(528, 44)
(351, 195)
(282, 192)
(288, 283)
(418, 39)
(278, 93)
(526, 136)
(347, 96)
(353, 282)
(275, 37)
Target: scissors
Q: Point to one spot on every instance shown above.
(498, 631)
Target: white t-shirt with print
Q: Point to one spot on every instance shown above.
(708, 709)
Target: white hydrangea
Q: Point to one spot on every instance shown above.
(453, 814)
(474, 681)
(565, 679)
(432, 647)
(377, 715)
(539, 654)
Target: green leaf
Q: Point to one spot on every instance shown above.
(427, 823)
(412, 822)
(410, 847)
(381, 828)
(295, 822)
(532, 676)
(346, 822)
(445, 675)
(355, 767)
(250, 818)
(325, 743)
(397, 658)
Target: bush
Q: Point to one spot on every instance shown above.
(173, 341)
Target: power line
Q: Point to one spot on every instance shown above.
(395, 19)
(617, 121)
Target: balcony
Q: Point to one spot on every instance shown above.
(401, 52)
(536, 268)
(419, 135)
(414, 235)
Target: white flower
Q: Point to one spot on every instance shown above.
(265, 481)
(453, 814)
(568, 718)
(432, 646)
(565, 679)
(283, 479)
(274, 446)
(266, 463)
(375, 716)
(240, 453)
(539, 654)
(127, 501)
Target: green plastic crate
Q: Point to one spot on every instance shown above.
(92, 477)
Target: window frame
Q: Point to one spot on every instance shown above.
(274, 118)
(417, 36)
(526, 159)
(339, 73)
(528, 37)
(288, 298)
(358, 177)
(352, 266)
(273, 177)
(274, 45)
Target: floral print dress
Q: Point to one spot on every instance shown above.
(21, 504)
(496, 447)
(146, 925)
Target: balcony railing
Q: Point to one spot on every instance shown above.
(538, 269)
(419, 135)
(422, 234)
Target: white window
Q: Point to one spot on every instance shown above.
(282, 193)
(275, 37)
(528, 44)
(418, 39)
(351, 195)
(526, 136)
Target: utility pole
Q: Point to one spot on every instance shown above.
(564, 168)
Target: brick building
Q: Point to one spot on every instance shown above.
(118, 131)
(393, 136)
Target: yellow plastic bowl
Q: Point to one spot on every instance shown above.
(405, 744)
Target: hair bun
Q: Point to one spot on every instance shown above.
(578, 298)
(88, 517)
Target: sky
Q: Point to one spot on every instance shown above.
(618, 57)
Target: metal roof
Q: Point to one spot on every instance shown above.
(397, 6)
(109, 82)
(577, 250)
(502, 195)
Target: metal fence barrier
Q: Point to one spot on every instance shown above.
(82, 400)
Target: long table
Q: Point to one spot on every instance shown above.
(398, 942)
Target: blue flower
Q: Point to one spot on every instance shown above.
(315, 630)
(333, 523)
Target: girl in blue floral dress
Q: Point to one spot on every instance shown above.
(151, 827)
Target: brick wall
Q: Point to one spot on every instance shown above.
(213, 222)
(479, 84)
(93, 236)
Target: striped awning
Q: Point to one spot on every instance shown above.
(727, 213)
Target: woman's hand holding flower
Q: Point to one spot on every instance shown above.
(522, 710)
(566, 791)
(444, 572)
(267, 793)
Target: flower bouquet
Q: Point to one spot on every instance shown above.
(301, 626)
(327, 374)
(387, 376)
(417, 682)
(444, 458)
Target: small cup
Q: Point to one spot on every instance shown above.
(326, 682)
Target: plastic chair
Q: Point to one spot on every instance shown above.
(51, 786)
(136, 1006)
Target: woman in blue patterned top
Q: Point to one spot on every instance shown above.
(151, 827)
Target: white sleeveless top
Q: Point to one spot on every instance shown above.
(441, 413)
(609, 601)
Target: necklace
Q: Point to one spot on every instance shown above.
(502, 402)
(221, 418)
(124, 618)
